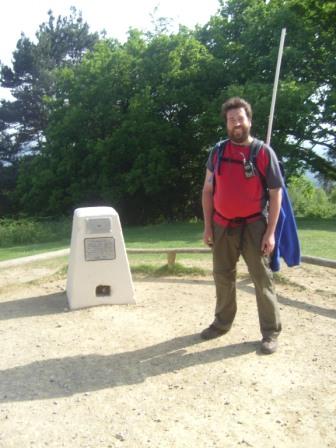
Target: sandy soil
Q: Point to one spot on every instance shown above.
(139, 376)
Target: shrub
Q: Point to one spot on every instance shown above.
(30, 231)
(309, 200)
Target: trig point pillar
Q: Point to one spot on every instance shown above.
(98, 272)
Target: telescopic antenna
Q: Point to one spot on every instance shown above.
(275, 86)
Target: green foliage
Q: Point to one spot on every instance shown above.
(29, 231)
(245, 39)
(332, 196)
(129, 125)
(123, 130)
(60, 42)
(309, 200)
(176, 270)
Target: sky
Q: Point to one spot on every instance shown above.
(115, 16)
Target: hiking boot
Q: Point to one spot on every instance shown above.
(268, 345)
(212, 332)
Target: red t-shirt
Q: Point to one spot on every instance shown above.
(236, 196)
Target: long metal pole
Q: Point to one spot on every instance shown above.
(275, 86)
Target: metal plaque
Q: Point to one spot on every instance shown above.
(99, 249)
(98, 225)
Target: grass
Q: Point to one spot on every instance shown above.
(281, 279)
(177, 270)
(33, 231)
(165, 235)
(317, 237)
(6, 253)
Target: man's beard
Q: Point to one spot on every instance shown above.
(239, 135)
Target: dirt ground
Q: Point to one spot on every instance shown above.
(140, 376)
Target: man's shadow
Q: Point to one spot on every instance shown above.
(77, 374)
(60, 377)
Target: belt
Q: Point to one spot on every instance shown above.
(241, 222)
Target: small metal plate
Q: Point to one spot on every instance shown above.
(99, 249)
(98, 225)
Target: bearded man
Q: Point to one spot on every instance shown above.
(241, 203)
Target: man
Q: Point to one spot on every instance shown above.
(235, 204)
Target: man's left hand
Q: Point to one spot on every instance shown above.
(267, 244)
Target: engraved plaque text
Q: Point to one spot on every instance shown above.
(99, 249)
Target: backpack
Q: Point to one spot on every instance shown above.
(250, 165)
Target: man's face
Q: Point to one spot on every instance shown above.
(238, 125)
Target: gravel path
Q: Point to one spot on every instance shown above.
(139, 376)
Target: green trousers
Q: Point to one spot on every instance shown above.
(229, 243)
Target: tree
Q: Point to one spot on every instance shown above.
(124, 129)
(130, 124)
(244, 39)
(310, 200)
(59, 43)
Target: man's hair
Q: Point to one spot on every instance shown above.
(236, 103)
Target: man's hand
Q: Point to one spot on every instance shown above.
(268, 241)
(208, 237)
(267, 244)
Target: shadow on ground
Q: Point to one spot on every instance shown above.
(77, 374)
(61, 377)
(33, 306)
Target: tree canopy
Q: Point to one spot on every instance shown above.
(130, 124)
(60, 42)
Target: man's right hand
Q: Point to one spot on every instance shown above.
(208, 237)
